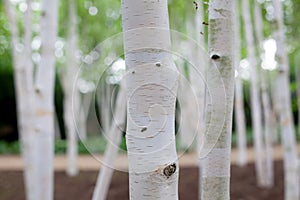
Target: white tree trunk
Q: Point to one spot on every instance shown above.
(86, 101)
(275, 110)
(115, 136)
(186, 132)
(35, 107)
(267, 112)
(297, 73)
(239, 97)
(71, 94)
(197, 79)
(105, 106)
(255, 96)
(23, 72)
(215, 165)
(44, 93)
(151, 93)
(291, 172)
(198, 83)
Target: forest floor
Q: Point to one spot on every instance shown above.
(243, 182)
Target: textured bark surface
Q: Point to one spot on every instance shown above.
(291, 169)
(217, 143)
(151, 82)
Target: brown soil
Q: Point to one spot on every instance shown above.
(243, 185)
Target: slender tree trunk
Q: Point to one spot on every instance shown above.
(151, 93)
(267, 113)
(187, 119)
(215, 174)
(197, 76)
(86, 100)
(297, 73)
(255, 96)
(291, 171)
(198, 82)
(44, 93)
(239, 97)
(275, 109)
(71, 94)
(105, 106)
(35, 105)
(115, 136)
(23, 70)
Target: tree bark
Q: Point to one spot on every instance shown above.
(114, 136)
(23, 73)
(44, 93)
(297, 74)
(255, 95)
(291, 169)
(71, 94)
(239, 97)
(151, 93)
(267, 112)
(215, 165)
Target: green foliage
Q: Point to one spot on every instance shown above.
(95, 28)
(123, 146)
(91, 145)
(249, 137)
(9, 147)
(5, 46)
(58, 101)
(178, 12)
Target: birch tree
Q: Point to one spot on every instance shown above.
(114, 136)
(239, 97)
(151, 93)
(297, 73)
(35, 100)
(23, 72)
(71, 93)
(44, 93)
(291, 170)
(267, 112)
(198, 83)
(185, 132)
(255, 95)
(215, 165)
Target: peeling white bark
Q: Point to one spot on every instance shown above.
(239, 97)
(215, 165)
(151, 93)
(291, 169)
